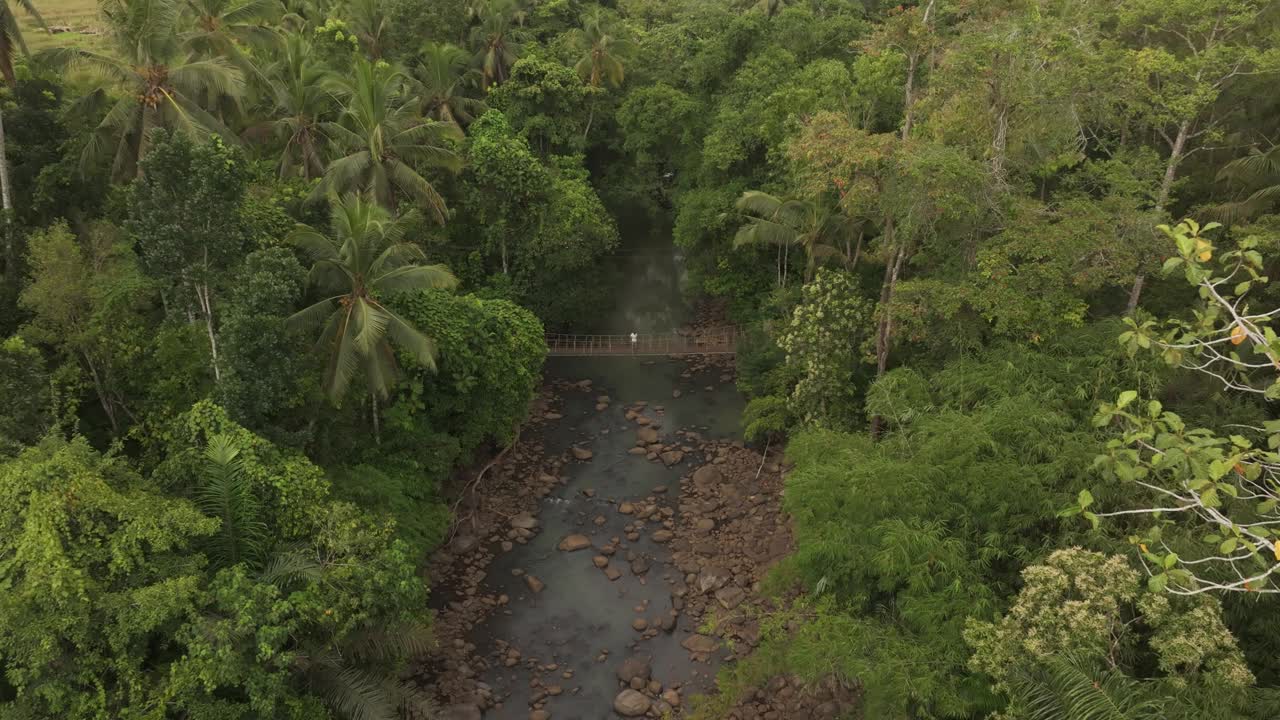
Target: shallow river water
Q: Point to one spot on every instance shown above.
(581, 616)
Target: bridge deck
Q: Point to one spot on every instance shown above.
(716, 343)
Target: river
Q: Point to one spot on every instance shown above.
(573, 635)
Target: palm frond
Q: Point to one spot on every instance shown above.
(313, 315)
(764, 232)
(227, 495)
(415, 277)
(760, 204)
(1070, 689)
(412, 341)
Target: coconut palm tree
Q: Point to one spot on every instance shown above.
(1260, 171)
(496, 38)
(11, 36)
(442, 75)
(297, 83)
(156, 80)
(386, 142)
(225, 28)
(364, 260)
(787, 222)
(370, 23)
(602, 53)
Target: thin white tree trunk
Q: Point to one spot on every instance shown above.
(206, 309)
(1176, 153)
(6, 198)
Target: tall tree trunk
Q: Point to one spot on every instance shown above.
(908, 101)
(1176, 153)
(913, 64)
(884, 327)
(6, 197)
(999, 146)
(206, 309)
(107, 406)
(377, 427)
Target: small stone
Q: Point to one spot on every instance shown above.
(663, 536)
(539, 715)
(552, 416)
(647, 435)
(706, 524)
(626, 508)
(573, 543)
(671, 457)
(629, 703)
(612, 573)
(534, 583)
(639, 624)
(582, 453)
(676, 393)
(600, 561)
(671, 696)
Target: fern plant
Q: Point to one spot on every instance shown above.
(1071, 689)
(227, 495)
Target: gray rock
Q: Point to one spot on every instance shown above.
(730, 597)
(628, 703)
(635, 666)
(582, 453)
(713, 578)
(534, 583)
(707, 476)
(700, 644)
(575, 542)
(524, 521)
(647, 435)
(671, 457)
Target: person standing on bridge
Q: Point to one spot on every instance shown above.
(634, 337)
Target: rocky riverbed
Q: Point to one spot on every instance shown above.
(586, 564)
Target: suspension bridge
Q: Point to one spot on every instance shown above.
(714, 341)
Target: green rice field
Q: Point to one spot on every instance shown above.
(72, 22)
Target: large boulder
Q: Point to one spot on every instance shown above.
(573, 543)
(636, 666)
(707, 477)
(630, 703)
(524, 521)
(700, 644)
